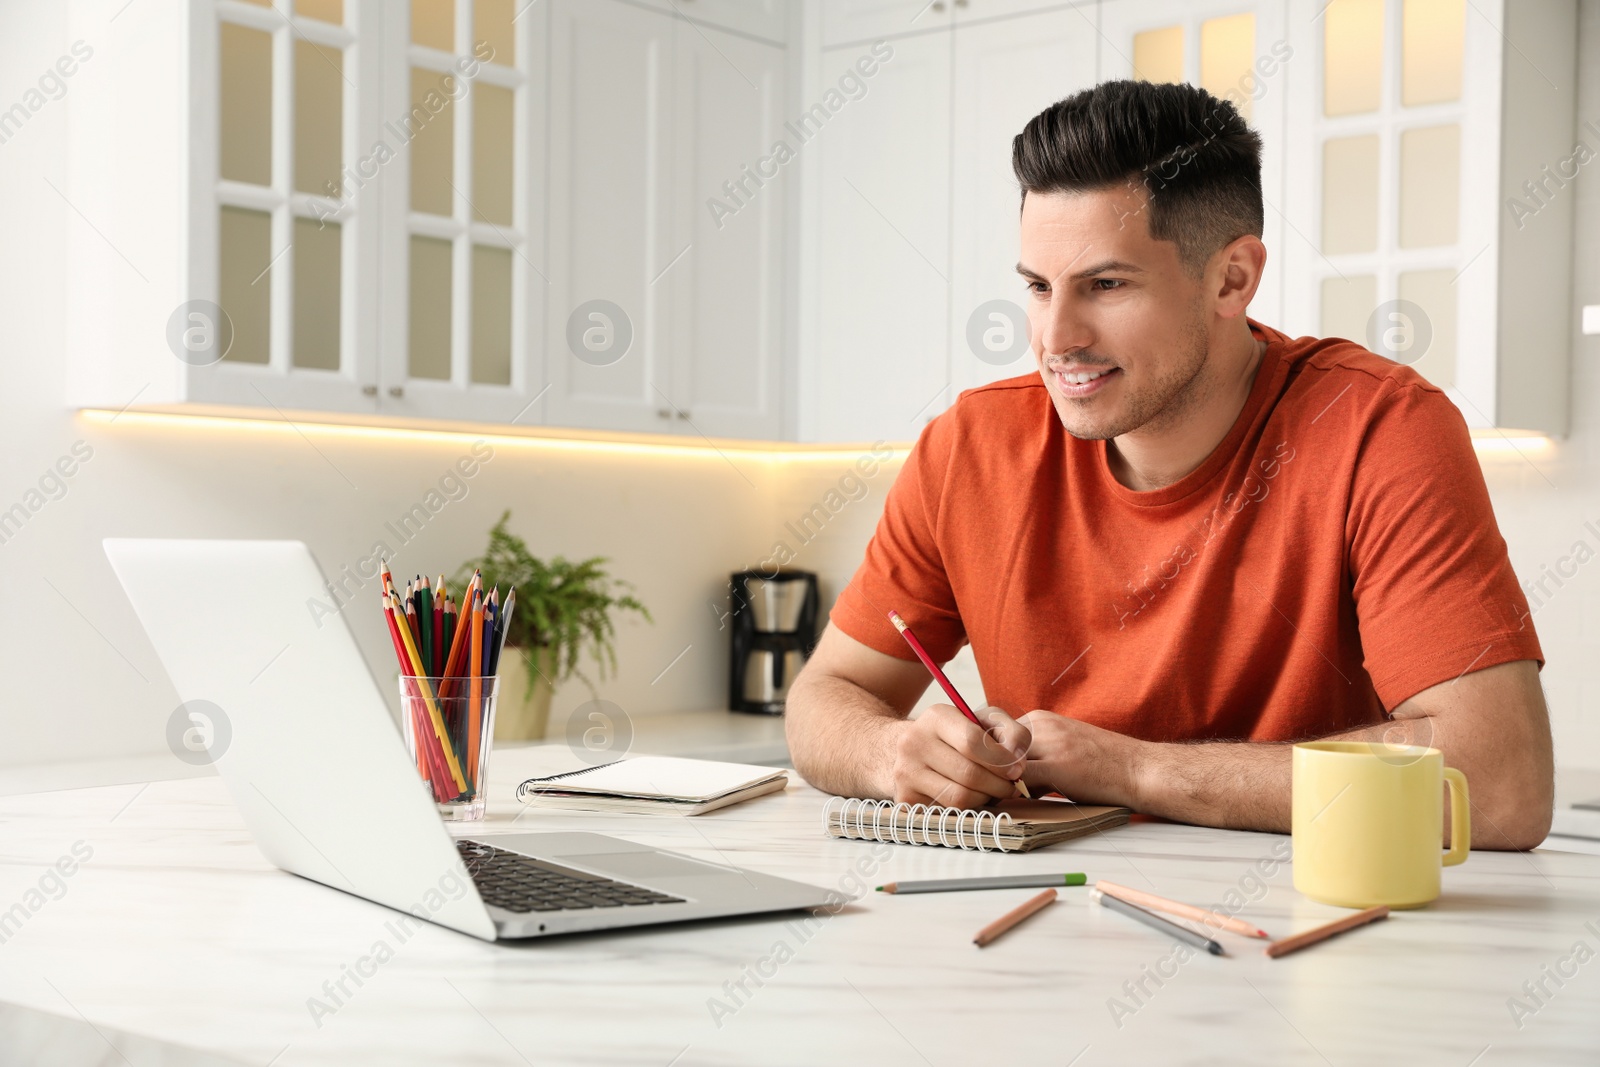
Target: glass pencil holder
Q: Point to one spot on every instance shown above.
(449, 731)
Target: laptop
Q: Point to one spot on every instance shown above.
(302, 737)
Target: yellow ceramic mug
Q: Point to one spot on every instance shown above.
(1368, 818)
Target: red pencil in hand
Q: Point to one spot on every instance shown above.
(944, 683)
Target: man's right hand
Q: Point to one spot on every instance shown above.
(943, 758)
(848, 732)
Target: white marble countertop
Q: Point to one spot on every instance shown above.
(175, 942)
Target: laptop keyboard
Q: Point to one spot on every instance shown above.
(521, 883)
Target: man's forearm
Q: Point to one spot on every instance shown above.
(1248, 785)
(1239, 786)
(839, 736)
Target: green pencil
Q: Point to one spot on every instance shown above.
(425, 624)
(1005, 881)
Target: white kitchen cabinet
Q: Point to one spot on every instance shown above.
(880, 214)
(636, 160)
(766, 20)
(846, 22)
(665, 287)
(1006, 72)
(973, 11)
(171, 213)
(611, 81)
(264, 237)
(1237, 50)
(730, 216)
(860, 22)
(915, 219)
(1429, 193)
(369, 199)
(462, 303)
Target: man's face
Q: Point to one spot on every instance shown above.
(1111, 304)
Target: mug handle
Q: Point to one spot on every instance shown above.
(1460, 818)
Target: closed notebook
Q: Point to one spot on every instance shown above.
(1010, 826)
(651, 785)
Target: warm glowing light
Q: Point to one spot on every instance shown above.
(1485, 441)
(775, 452)
(1495, 442)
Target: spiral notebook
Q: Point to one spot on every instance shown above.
(1010, 826)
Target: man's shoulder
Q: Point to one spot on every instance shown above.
(1026, 389)
(1011, 408)
(1316, 363)
(1337, 392)
(989, 428)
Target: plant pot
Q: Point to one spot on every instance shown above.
(523, 713)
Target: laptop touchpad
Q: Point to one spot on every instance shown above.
(647, 865)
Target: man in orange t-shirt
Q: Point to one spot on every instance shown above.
(1187, 539)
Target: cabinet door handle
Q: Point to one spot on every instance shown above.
(397, 391)
(938, 5)
(684, 415)
(663, 413)
(369, 390)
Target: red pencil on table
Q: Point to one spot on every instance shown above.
(938, 676)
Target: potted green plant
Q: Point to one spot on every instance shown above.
(563, 609)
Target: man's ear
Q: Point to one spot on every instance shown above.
(1237, 270)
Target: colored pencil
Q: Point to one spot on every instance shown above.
(1005, 881)
(427, 740)
(429, 761)
(475, 692)
(446, 649)
(491, 626)
(1011, 918)
(1156, 922)
(415, 658)
(944, 683)
(436, 657)
(1187, 911)
(425, 621)
(1322, 933)
(455, 662)
(449, 632)
(505, 629)
(400, 652)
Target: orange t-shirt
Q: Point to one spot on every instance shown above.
(1335, 555)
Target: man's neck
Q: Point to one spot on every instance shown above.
(1147, 459)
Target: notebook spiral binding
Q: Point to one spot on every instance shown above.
(527, 787)
(919, 819)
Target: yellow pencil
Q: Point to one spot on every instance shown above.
(433, 709)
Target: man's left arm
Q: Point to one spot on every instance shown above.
(1491, 725)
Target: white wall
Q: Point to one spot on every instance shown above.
(1543, 501)
(85, 683)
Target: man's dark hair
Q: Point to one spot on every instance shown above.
(1198, 161)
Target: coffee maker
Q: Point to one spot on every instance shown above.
(774, 623)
